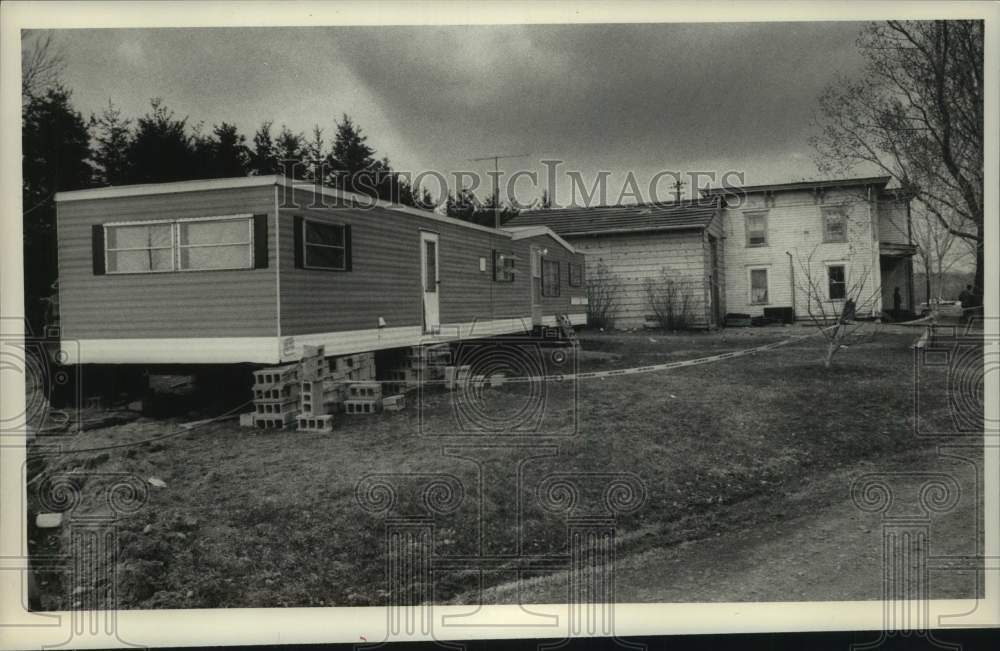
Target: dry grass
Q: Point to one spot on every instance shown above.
(253, 519)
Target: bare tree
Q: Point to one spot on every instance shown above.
(938, 250)
(603, 291)
(835, 318)
(916, 114)
(670, 300)
(42, 62)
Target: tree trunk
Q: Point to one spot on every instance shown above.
(979, 287)
(831, 348)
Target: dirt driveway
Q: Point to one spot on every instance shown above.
(809, 543)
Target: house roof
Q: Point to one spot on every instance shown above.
(521, 232)
(880, 181)
(683, 215)
(149, 189)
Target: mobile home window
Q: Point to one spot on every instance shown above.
(834, 225)
(550, 277)
(503, 267)
(324, 246)
(756, 228)
(758, 286)
(139, 248)
(215, 244)
(180, 245)
(837, 275)
(575, 275)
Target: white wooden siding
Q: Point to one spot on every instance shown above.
(795, 225)
(893, 221)
(634, 258)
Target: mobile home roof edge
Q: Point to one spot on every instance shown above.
(521, 232)
(173, 187)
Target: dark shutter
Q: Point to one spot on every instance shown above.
(297, 227)
(495, 261)
(347, 247)
(97, 248)
(260, 241)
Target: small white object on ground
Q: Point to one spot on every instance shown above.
(156, 481)
(48, 520)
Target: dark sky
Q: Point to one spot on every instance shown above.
(633, 97)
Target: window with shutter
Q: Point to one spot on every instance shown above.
(200, 244)
(322, 245)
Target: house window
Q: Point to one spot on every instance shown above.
(180, 245)
(837, 276)
(575, 275)
(324, 246)
(758, 287)
(756, 228)
(834, 224)
(550, 277)
(503, 267)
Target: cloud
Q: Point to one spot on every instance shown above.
(641, 97)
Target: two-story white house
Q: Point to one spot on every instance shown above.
(783, 250)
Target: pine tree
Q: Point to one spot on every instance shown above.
(352, 157)
(289, 151)
(112, 136)
(230, 155)
(317, 158)
(263, 160)
(55, 151)
(161, 149)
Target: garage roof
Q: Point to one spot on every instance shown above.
(683, 215)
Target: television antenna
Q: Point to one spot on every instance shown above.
(496, 180)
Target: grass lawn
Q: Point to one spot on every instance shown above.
(261, 519)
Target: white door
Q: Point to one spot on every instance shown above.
(430, 279)
(536, 286)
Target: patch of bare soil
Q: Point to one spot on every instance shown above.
(809, 542)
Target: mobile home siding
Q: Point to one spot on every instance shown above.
(636, 258)
(564, 303)
(186, 304)
(795, 226)
(385, 281)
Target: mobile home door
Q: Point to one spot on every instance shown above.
(430, 279)
(536, 286)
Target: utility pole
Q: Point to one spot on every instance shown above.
(496, 180)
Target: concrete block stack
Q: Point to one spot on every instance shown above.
(363, 398)
(456, 376)
(276, 396)
(310, 392)
(422, 364)
(359, 367)
(394, 403)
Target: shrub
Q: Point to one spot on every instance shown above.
(670, 301)
(603, 291)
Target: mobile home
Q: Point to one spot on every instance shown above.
(251, 270)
